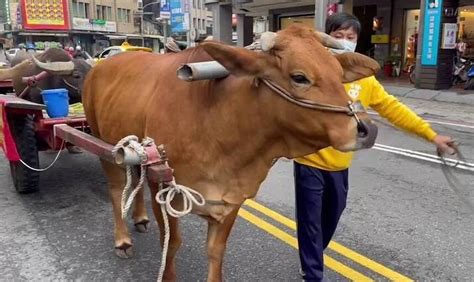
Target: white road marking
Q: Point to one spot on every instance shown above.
(437, 122)
(423, 156)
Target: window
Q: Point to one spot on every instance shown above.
(109, 13)
(104, 12)
(86, 10)
(80, 9)
(123, 15)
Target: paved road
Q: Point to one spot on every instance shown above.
(402, 222)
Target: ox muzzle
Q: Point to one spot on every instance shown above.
(366, 129)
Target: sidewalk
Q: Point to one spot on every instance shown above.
(402, 88)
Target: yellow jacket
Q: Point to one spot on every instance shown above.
(371, 94)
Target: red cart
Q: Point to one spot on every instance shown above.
(6, 86)
(25, 131)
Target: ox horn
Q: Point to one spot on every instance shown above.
(329, 41)
(58, 68)
(268, 40)
(15, 71)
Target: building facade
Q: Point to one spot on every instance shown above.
(93, 24)
(396, 33)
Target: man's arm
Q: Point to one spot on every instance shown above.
(403, 117)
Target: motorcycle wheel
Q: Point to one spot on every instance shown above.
(469, 84)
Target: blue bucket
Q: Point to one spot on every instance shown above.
(56, 101)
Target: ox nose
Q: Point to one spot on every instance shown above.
(366, 134)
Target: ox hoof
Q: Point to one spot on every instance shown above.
(142, 226)
(74, 150)
(125, 251)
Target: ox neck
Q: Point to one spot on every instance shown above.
(250, 114)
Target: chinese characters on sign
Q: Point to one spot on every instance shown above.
(45, 14)
(177, 16)
(431, 32)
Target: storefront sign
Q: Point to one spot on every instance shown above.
(331, 9)
(45, 14)
(165, 10)
(380, 39)
(431, 32)
(94, 25)
(43, 45)
(177, 16)
(449, 36)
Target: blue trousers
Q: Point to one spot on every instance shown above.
(320, 200)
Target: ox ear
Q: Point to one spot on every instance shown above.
(238, 61)
(357, 66)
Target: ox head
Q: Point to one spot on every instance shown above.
(71, 73)
(296, 59)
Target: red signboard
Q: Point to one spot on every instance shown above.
(332, 9)
(45, 14)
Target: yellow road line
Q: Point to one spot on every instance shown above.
(362, 260)
(271, 214)
(290, 240)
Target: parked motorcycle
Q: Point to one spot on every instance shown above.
(460, 70)
(470, 79)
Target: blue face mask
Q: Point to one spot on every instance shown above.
(349, 46)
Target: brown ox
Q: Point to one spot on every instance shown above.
(221, 135)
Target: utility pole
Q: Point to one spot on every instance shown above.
(190, 25)
(320, 14)
(141, 11)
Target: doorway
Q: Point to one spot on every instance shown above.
(366, 15)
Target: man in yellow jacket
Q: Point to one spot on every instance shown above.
(321, 179)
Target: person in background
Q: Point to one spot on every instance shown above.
(79, 53)
(321, 179)
(70, 51)
(172, 46)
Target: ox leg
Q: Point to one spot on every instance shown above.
(175, 236)
(217, 235)
(140, 216)
(116, 181)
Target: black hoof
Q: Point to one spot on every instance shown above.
(125, 251)
(142, 226)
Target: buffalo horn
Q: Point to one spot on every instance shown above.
(58, 68)
(329, 41)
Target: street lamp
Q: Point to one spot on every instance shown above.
(141, 8)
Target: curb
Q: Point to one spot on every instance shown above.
(431, 95)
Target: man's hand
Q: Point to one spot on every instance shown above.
(444, 144)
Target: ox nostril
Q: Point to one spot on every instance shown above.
(362, 129)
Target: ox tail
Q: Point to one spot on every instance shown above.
(15, 71)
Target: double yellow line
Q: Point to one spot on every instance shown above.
(329, 262)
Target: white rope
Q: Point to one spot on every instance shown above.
(49, 166)
(166, 241)
(164, 197)
(127, 198)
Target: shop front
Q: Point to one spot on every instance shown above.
(466, 30)
(90, 34)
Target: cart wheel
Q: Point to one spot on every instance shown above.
(25, 179)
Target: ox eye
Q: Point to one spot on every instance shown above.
(300, 79)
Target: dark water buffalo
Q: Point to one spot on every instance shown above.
(63, 71)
